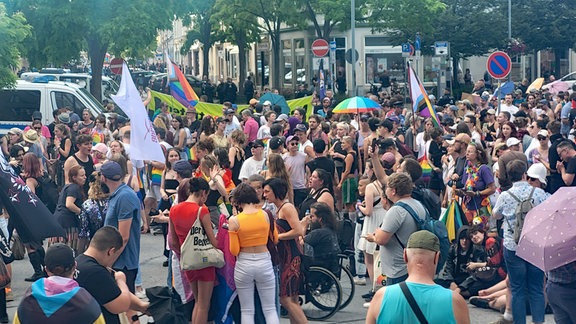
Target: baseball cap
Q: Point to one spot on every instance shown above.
(389, 157)
(283, 117)
(253, 102)
(182, 166)
(432, 97)
(222, 120)
(491, 111)
(453, 107)
(537, 171)
(112, 170)
(276, 142)
(101, 147)
(512, 141)
(14, 131)
(267, 103)
(423, 240)
(257, 143)
(300, 128)
(230, 111)
(59, 255)
(292, 138)
(36, 115)
(543, 132)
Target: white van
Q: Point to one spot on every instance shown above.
(17, 104)
(109, 86)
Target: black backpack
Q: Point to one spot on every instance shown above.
(430, 200)
(48, 192)
(346, 230)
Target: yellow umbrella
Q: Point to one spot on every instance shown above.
(536, 85)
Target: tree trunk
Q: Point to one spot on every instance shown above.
(97, 53)
(276, 50)
(557, 56)
(206, 31)
(241, 43)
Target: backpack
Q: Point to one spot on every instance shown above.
(524, 206)
(430, 201)
(49, 192)
(346, 229)
(431, 225)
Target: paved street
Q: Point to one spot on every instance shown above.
(154, 274)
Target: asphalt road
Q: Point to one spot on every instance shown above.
(154, 275)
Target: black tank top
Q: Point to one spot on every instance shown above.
(213, 197)
(89, 168)
(309, 201)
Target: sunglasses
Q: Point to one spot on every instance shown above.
(541, 138)
(256, 146)
(293, 143)
(37, 128)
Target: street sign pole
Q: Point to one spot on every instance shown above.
(353, 40)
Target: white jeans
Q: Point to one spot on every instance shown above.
(255, 269)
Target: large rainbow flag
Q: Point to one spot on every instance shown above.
(420, 103)
(180, 89)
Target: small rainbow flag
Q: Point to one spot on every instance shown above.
(420, 103)
(180, 89)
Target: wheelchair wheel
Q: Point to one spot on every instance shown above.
(322, 294)
(347, 285)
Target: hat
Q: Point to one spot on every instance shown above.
(258, 143)
(101, 147)
(112, 170)
(230, 111)
(491, 111)
(275, 142)
(74, 118)
(537, 171)
(518, 91)
(485, 93)
(389, 157)
(448, 137)
(512, 141)
(300, 128)
(31, 136)
(447, 121)
(423, 240)
(397, 103)
(64, 118)
(326, 98)
(190, 110)
(182, 166)
(253, 102)
(393, 118)
(14, 131)
(543, 132)
(222, 120)
(267, 103)
(453, 107)
(500, 146)
(292, 138)
(283, 117)
(520, 113)
(36, 115)
(59, 255)
(432, 97)
(485, 98)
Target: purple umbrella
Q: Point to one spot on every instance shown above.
(549, 233)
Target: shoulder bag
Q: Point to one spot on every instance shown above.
(412, 302)
(197, 252)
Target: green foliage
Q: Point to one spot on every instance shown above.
(13, 29)
(334, 13)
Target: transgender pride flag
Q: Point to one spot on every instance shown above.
(180, 89)
(420, 103)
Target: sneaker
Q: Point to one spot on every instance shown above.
(140, 293)
(366, 305)
(9, 295)
(368, 296)
(165, 264)
(360, 281)
(479, 302)
(502, 320)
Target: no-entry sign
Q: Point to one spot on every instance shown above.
(499, 65)
(320, 47)
(116, 65)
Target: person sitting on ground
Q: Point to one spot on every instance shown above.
(421, 255)
(58, 298)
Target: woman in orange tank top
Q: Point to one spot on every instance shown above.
(249, 234)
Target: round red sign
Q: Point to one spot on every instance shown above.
(320, 47)
(116, 65)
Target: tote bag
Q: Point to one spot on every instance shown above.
(197, 252)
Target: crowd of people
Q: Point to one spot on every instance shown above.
(271, 187)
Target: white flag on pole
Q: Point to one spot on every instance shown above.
(144, 144)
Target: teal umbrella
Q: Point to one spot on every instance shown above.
(276, 100)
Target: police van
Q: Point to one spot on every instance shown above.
(84, 80)
(18, 103)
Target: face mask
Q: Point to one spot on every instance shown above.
(104, 187)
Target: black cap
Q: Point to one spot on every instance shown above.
(520, 113)
(257, 143)
(276, 142)
(59, 255)
(36, 115)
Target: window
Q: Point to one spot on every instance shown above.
(378, 64)
(69, 100)
(18, 105)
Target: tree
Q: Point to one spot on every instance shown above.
(63, 28)
(334, 13)
(545, 24)
(203, 29)
(13, 29)
(236, 28)
(274, 15)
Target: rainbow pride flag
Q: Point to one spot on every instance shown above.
(420, 103)
(180, 89)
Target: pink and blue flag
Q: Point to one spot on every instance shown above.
(180, 89)
(420, 103)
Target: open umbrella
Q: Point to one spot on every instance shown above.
(276, 100)
(549, 231)
(356, 105)
(536, 85)
(557, 86)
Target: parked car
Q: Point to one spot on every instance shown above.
(158, 82)
(569, 78)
